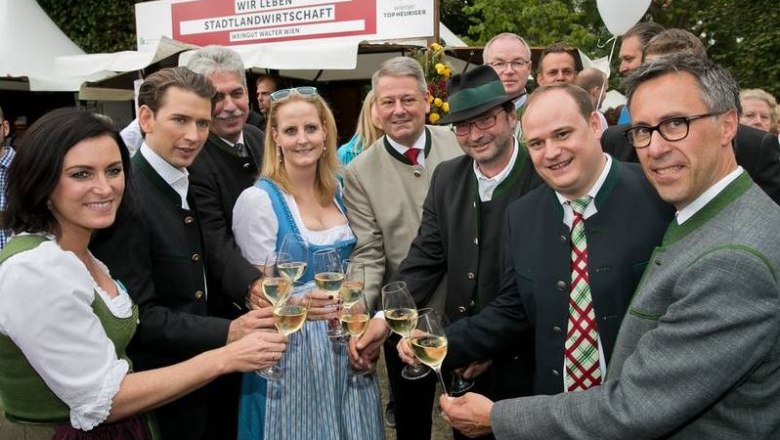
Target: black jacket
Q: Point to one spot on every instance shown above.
(621, 236)
(217, 177)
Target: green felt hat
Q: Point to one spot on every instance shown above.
(473, 93)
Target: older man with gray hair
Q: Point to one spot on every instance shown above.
(385, 187)
(228, 164)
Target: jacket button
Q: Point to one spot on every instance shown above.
(247, 165)
(557, 329)
(564, 239)
(189, 220)
(556, 373)
(417, 172)
(471, 275)
(461, 309)
(471, 303)
(195, 257)
(476, 241)
(198, 294)
(561, 285)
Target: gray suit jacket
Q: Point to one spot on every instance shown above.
(697, 355)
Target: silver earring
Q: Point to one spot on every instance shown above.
(279, 153)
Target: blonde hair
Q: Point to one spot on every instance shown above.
(368, 130)
(325, 183)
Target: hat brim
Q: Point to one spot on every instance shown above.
(459, 116)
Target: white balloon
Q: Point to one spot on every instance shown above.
(620, 15)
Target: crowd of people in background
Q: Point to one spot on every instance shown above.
(598, 275)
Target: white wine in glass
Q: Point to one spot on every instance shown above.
(329, 276)
(297, 248)
(401, 315)
(354, 321)
(289, 316)
(276, 287)
(354, 280)
(429, 343)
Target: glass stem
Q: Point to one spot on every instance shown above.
(441, 379)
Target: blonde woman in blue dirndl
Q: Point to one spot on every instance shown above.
(298, 193)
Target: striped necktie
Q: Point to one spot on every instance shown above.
(581, 348)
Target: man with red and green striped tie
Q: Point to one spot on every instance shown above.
(573, 253)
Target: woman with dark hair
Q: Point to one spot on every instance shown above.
(64, 323)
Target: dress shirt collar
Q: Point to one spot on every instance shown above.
(233, 144)
(419, 144)
(568, 214)
(686, 213)
(486, 185)
(175, 177)
(520, 101)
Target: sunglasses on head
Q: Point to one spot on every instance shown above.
(284, 93)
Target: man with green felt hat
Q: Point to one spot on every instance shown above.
(463, 216)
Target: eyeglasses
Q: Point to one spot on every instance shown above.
(483, 123)
(512, 65)
(671, 129)
(284, 93)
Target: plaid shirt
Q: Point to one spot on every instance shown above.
(5, 161)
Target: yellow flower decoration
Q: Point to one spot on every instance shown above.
(437, 72)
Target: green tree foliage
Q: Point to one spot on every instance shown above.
(105, 26)
(742, 36)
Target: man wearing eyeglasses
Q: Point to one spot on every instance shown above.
(573, 253)
(757, 152)
(698, 354)
(460, 234)
(510, 56)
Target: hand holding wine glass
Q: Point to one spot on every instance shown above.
(401, 316)
(429, 343)
(289, 315)
(329, 276)
(354, 321)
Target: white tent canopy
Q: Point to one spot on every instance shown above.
(322, 60)
(31, 41)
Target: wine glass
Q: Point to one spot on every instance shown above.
(354, 280)
(459, 384)
(328, 276)
(275, 283)
(401, 316)
(289, 315)
(429, 343)
(354, 321)
(297, 248)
